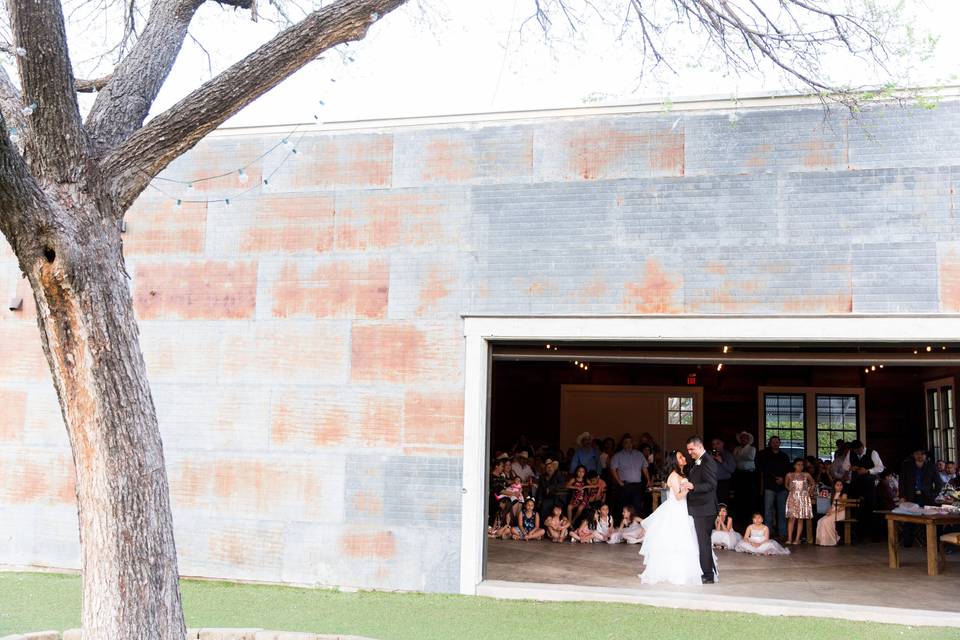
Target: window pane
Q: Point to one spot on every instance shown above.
(686, 404)
(686, 418)
(673, 417)
(673, 404)
(836, 420)
(784, 415)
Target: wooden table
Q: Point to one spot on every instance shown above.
(656, 493)
(931, 522)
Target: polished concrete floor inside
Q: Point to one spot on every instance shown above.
(855, 575)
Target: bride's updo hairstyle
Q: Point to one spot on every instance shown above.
(670, 463)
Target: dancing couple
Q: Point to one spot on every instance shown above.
(676, 547)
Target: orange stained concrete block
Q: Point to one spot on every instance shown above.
(28, 477)
(397, 352)
(290, 223)
(380, 420)
(13, 413)
(433, 418)
(306, 418)
(344, 160)
(196, 290)
(21, 354)
(223, 158)
(291, 353)
(377, 545)
(160, 227)
(448, 159)
(393, 219)
(232, 485)
(655, 292)
(182, 351)
(368, 503)
(435, 288)
(600, 151)
(340, 289)
(949, 272)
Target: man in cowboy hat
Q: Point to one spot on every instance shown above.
(586, 454)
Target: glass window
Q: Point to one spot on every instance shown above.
(933, 423)
(680, 410)
(837, 419)
(784, 418)
(941, 423)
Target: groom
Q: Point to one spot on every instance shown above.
(702, 501)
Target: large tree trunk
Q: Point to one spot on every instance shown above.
(90, 338)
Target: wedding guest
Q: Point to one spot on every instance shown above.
(838, 468)
(723, 536)
(756, 540)
(586, 454)
(608, 448)
(501, 520)
(888, 491)
(745, 477)
(774, 465)
(583, 533)
(629, 470)
(557, 525)
(596, 490)
(498, 481)
(949, 471)
(528, 524)
(522, 469)
(551, 487)
(823, 476)
(726, 465)
(920, 484)
(799, 507)
(577, 486)
(630, 530)
(602, 524)
(942, 468)
(827, 525)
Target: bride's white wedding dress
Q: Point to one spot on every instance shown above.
(670, 551)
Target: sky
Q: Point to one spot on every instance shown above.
(438, 57)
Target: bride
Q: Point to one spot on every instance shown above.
(670, 551)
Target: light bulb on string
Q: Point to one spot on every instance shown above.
(21, 52)
(867, 370)
(242, 176)
(226, 201)
(726, 349)
(179, 203)
(873, 367)
(929, 349)
(374, 16)
(720, 367)
(190, 186)
(29, 109)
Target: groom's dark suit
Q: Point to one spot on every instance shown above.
(702, 505)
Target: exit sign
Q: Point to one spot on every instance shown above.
(691, 378)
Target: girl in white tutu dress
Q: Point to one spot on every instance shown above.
(723, 536)
(670, 551)
(756, 540)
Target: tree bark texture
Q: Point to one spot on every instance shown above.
(61, 201)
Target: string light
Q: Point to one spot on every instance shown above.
(548, 346)
(726, 349)
(915, 352)
(867, 370)
(21, 52)
(374, 16)
(29, 109)
(720, 367)
(242, 176)
(873, 367)
(929, 349)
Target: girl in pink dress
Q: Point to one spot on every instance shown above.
(801, 486)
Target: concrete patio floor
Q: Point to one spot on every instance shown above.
(856, 575)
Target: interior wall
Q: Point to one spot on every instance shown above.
(526, 398)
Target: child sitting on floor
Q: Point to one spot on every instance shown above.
(602, 524)
(584, 531)
(501, 520)
(630, 530)
(557, 525)
(756, 540)
(528, 523)
(723, 536)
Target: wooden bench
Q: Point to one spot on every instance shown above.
(945, 539)
(850, 506)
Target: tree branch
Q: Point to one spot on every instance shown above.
(92, 85)
(123, 104)
(56, 148)
(21, 200)
(11, 104)
(129, 168)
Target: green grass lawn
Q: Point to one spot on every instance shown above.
(36, 601)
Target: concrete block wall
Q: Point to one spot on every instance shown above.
(304, 342)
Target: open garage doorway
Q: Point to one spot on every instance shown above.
(894, 395)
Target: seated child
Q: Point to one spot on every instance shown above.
(756, 540)
(596, 490)
(501, 520)
(723, 536)
(528, 523)
(584, 530)
(602, 524)
(631, 528)
(557, 525)
(514, 492)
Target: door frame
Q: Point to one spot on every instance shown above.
(481, 332)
